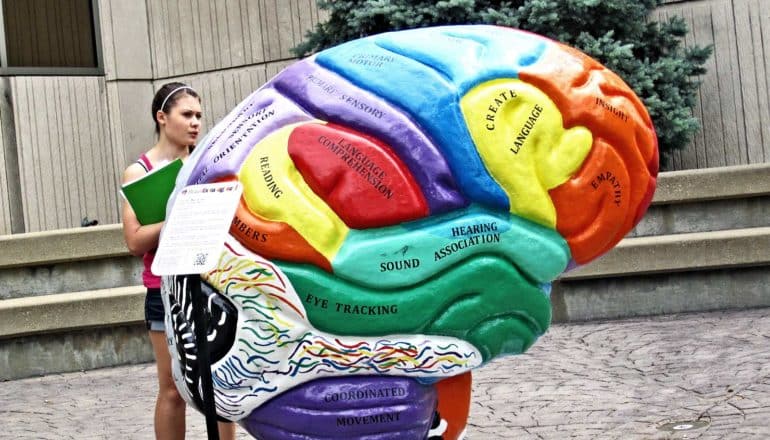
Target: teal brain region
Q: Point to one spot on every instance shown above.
(418, 189)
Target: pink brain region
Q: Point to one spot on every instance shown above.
(408, 199)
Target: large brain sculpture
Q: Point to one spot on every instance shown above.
(408, 199)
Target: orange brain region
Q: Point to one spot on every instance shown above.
(408, 199)
(618, 181)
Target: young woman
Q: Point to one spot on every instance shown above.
(176, 110)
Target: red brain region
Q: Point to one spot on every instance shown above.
(365, 183)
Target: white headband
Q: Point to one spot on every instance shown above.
(172, 92)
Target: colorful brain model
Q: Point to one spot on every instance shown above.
(408, 199)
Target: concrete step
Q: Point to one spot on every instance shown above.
(66, 260)
(680, 252)
(695, 272)
(71, 311)
(72, 331)
(704, 216)
(708, 200)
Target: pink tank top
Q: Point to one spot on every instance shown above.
(149, 279)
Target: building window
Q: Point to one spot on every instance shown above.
(49, 37)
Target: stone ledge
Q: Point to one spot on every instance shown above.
(626, 297)
(62, 245)
(75, 350)
(70, 276)
(713, 184)
(704, 216)
(69, 311)
(680, 252)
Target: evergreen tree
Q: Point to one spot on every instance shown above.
(648, 55)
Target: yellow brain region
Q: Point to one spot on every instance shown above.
(273, 187)
(520, 136)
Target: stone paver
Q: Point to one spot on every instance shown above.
(605, 380)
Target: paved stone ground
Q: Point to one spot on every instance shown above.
(601, 380)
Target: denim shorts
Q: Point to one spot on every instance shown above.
(154, 315)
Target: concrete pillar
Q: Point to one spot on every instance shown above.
(11, 216)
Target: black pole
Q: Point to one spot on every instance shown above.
(204, 363)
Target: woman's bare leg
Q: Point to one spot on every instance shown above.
(169, 407)
(226, 431)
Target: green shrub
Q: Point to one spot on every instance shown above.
(648, 55)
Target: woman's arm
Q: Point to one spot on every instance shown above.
(139, 238)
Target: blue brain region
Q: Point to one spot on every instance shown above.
(408, 199)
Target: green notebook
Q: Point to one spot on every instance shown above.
(149, 194)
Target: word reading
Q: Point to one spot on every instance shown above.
(264, 165)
